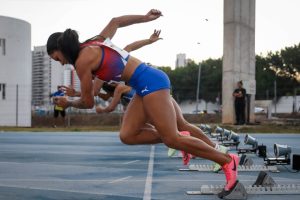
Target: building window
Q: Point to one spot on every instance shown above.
(2, 91)
(2, 46)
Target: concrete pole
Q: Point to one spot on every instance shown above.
(238, 53)
(198, 88)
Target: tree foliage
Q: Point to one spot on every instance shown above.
(282, 66)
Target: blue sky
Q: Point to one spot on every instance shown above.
(183, 24)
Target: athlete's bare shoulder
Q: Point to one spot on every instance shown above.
(89, 57)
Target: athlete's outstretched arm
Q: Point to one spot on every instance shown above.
(140, 43)
(126, 20)
(120, 89)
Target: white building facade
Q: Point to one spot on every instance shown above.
(181, 60)
(71, 78)
(47, 74)
(15, 72)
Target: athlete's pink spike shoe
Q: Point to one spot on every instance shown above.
(186, 157)
(231, 172)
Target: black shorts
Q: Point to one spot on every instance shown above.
(62, 113)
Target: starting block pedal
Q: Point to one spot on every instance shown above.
(264, 185)
(230, 144)
(238, 192)
(215, 135)
(245, 150)
(246, 160)
(241, 168)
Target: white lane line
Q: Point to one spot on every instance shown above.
(3, 182)
(148, 184)
(132, 180)
(130, 162)
(49, 189)
(120, 179)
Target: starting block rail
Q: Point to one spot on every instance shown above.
(264, 185)
(271, 190)
(241, 168)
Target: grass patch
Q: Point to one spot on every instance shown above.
(263, 129)
(239, 129)
(61, 129)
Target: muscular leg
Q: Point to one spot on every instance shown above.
(183, 125)
(134, 129)
(159, 107)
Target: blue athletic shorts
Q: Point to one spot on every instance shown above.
(147, 79)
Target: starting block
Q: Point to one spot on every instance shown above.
(215, 135)
(231, 144)
(246, 150)
(241, 168)
(245, 165)
(264, 185)
(246, 160)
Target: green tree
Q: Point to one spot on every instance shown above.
(282, 66)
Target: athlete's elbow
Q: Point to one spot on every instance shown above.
(116, 22)
(128, 48)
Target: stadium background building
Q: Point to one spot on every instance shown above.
(15, 76)
(47, 74)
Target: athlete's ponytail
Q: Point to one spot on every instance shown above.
(69, 45)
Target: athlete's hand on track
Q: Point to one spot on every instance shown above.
(69, 91)
(99, 109)
(61, 101)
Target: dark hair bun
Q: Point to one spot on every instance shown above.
(69, 45)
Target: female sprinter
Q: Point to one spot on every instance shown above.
(124, 93)
(152, 102)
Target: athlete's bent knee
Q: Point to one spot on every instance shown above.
(182, 125)
(126, 139)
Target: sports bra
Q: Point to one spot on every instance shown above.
(113, 60)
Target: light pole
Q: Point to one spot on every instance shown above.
(276, 70)
(198, 87)
(275, 94)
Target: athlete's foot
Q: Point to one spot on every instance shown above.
(216, 166)
(224, 192)
(186, 157)
(171, 152)
(231, 172)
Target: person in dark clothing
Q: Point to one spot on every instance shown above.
(57, 109)
(239, 103)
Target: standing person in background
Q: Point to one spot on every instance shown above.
(58, 109)
(239, 103)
